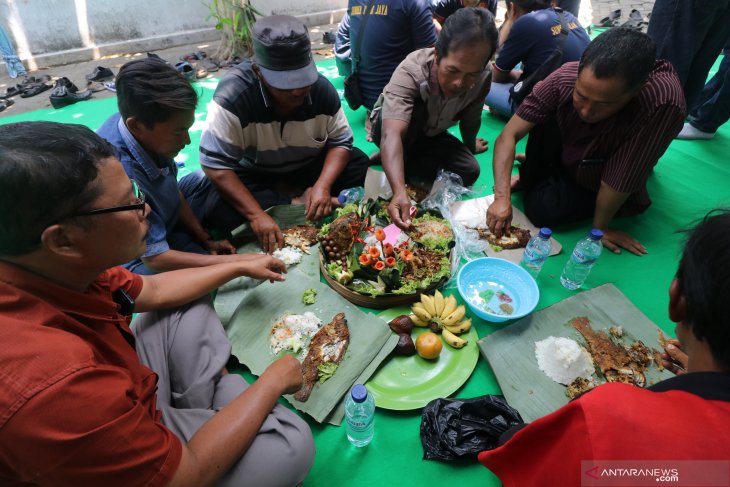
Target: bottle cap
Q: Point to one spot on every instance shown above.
(595, 234)
(545, 232)
(359, 393)
(341, 197)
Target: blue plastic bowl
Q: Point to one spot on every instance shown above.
(487, 283)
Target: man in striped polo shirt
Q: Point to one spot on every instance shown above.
(597, 128)
(277, 135)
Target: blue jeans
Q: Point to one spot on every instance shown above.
(713, 108)
(498, 99)
(690, 34)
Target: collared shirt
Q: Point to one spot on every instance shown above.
(621, 150)
(156, 177)
(534, 37)
(76, 405)
(682, 418)
(245, 134)
(394, 29)
(415, 80)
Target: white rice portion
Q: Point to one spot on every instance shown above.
(288, 255)
(293, 332)
(563, 360)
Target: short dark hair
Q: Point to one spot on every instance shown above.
(47, 170)
(620, 52)
(704, 273)
(530, 5)
(468, 25)
(152, 91)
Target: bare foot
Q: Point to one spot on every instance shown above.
(303, 199)
(515, 184)
(520, 158)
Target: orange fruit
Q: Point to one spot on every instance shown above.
(428, 345)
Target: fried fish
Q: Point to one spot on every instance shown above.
(328, 345)
(514, 239)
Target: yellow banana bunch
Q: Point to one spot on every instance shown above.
(444, 314)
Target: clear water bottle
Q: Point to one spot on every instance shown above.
(584, 256)
(536, 252)
(351, 195)
(360, 416)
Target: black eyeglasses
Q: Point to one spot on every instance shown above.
(139, 206)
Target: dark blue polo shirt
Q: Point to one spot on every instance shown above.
(535, 36)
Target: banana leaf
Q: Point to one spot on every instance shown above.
(371, 341)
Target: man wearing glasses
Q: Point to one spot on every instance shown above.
(85, 399)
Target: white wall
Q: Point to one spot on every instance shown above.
(47, 32)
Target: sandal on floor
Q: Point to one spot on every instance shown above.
(34, 89)
(6, 103)
(11, 91)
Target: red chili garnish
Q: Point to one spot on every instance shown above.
(379, 265)
(390, 261)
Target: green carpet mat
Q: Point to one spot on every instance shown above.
(690, 179)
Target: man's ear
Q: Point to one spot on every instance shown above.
(61, 240)
(134, 126)
(677, 302)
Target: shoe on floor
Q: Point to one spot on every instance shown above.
(12, 91)
(6, 103)
(209, 65)
(65, 93)
(689, 132)
(111, 86)
(33, 89)
(100, 73)
(186, 69)
(328, 37)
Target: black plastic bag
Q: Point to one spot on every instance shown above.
(461, 428)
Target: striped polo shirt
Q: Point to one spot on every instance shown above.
(621, 150)
(245, 134)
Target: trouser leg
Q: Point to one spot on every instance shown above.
(551, 197)
(187, 348)
(445, 152)
(714, 108)
(424, 156)
(498, 98)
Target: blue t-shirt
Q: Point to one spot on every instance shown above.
(395, 28)
(156, 178)
(534, 36)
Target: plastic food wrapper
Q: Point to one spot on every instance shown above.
(461, 428)
(447, 189)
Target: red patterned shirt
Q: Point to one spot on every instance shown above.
(621, 150)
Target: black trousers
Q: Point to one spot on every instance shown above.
(424, 156)
(552, 197)
(267, 188)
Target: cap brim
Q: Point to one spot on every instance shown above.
(291, 80)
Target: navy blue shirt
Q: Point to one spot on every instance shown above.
(395, 28)
(155, 176)
(534, 36)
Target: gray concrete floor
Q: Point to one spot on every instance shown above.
(596, 9)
